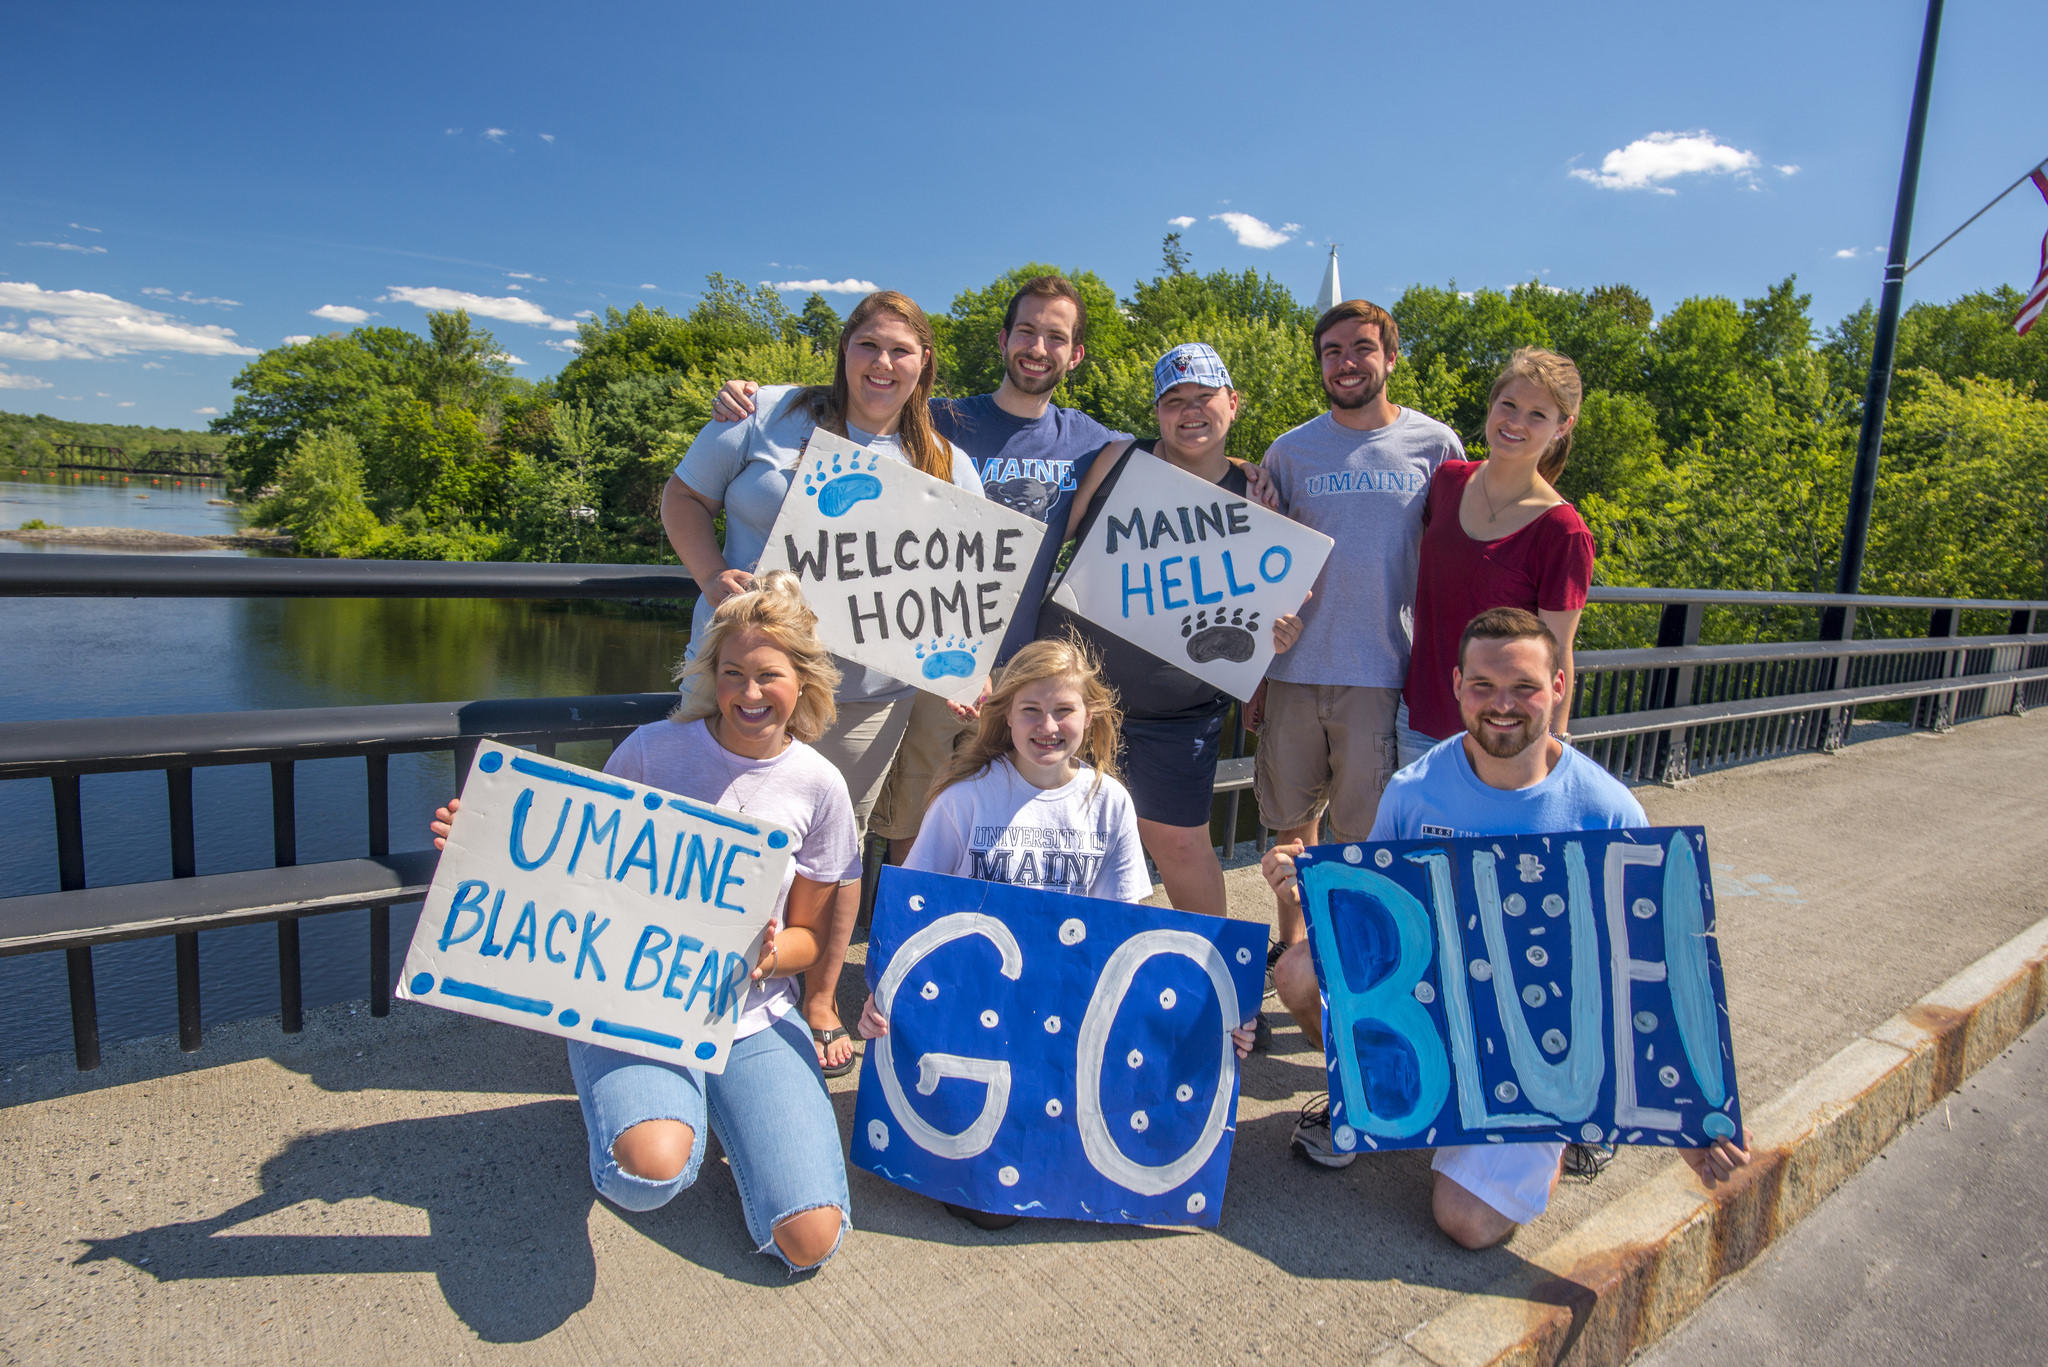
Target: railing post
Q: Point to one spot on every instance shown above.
(2020, 624)
(85, 1013)
(1936, 711)
(380, 917)
(284, 834)
(1679, 625)
(184, 864)
(1837, 623)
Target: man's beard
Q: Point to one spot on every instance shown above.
(1364, 396)
(1025, 384)
(1504, 745)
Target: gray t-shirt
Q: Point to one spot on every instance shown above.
(1365, 491)
(748, 466)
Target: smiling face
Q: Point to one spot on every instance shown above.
(884, 360)
(1506, 693)
(1048, 725)
(1039, 347)
(1524, 420)
(757, 690)
(1354, 363)
(1194, 419)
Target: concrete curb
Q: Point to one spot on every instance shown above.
(1637, 1267)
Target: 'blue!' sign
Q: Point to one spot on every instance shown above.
(1535, 987)
(1051, 1055)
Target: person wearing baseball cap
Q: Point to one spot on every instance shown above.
(1173, 721)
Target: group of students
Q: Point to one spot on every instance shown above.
(1086, 748)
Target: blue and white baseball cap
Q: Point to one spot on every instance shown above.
(1190, 363)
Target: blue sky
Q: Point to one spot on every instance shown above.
(189, 184)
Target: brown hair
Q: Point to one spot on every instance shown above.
(1061, 657)
(1051, 287)
(1507, 624)
(1560, 378)
(775, 608)
(1373, 314)
(928, 451)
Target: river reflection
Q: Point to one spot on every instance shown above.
(125, 657)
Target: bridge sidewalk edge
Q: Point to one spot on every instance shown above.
(1633, 1270)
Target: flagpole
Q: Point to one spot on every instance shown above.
(2025, 176)
(1863, 485)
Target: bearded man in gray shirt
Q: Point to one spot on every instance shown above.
(1360, 475)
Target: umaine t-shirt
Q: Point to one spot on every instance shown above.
(1439, 795)
(1081, 837)
(798, 788)
(1032, 465)
(1364, 490)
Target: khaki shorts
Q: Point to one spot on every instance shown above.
(861, 746)
(1325, 746)
(926, 747)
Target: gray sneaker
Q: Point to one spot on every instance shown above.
(1273, 952)
(1312, 1136)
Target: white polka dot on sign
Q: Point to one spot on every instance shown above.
(1668, 1075)
(988, 1020)
(1052, 1025)
(1183, 1093)
(878, 1136)
(1383, 858)
(1554, 1042)
(1140, 1121)
(1644, 908)
(1537, 955)
(1167, 999)
(1534, 995)
(1482, 970)
(1197, 1203)
(1353, 855)
(1244, 956)
(1513, 904)
(1072, 932)
(1424, 993)
(1345, 1137)
(1553, 905)
(1053, 1108)
(1646, 1021)
(1590, 1132)
(1007, 1176)
(1507, 1092)
(929, 991)
(1135, 1059)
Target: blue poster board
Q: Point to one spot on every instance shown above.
(1052, 1055)
(1522, 988)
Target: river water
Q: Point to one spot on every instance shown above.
(105, 657)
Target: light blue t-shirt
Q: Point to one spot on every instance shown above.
(1439, 795)
(748, 466)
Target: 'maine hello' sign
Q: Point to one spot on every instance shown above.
(908, 574)
(1182, 569)
(1524, 987)
(587, 906)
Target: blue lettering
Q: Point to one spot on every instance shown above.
(489, 949)
(1286, 563)
(1237, 590)
(701, 866)
(1130, 593)
(1168, 583)
(588, 827)
(548, 945)
(730, 993)
(634, 859)
(727, 878)
(685, 944)
(525, 932)
(519, 811)
(643, 950)
(469, 896)
(706, 984)
(592, 928)
(1195, 573)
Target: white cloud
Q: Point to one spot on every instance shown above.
(495, 134)
(1786, 170)
(65, 247)
(125, 403)
(8, 381)
(508, 358)
(206, 412)
(1848, 253)
(525, 275)
(296, 339)
(547, 137)
(451, 132)
(650, 287)
(847, 286)
(190, 298)
(1646, 162)
(569, 344)
(1252, 232)
(515, 288)
(509, 309)
(1183, 221)
(152, 365)
(79, 325)
(82, 228)
(340, 313)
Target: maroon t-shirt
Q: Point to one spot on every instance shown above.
(1547, 565)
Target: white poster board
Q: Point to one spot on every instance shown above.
(908, 574)
(1179, 567)
(586, 906)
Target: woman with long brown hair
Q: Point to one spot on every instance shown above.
(881, 382)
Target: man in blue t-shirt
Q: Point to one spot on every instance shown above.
(1507, 775)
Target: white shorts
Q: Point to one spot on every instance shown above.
(1512, 1178)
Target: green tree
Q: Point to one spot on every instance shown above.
(345, 381)
(319, 497)
(969, 362)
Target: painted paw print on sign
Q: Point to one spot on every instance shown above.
(955, 658)
(843, 486)
(1227, 637)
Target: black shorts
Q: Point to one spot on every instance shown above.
(1170, 768)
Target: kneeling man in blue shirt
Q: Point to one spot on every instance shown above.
(1505, 776)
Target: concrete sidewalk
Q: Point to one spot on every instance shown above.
(415, 1187)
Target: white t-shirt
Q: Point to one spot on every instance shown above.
(798, 788)
(1080, 837)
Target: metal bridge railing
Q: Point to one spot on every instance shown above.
(1658, 713)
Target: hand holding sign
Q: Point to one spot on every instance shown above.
(908, 575)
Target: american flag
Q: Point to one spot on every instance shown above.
(2030, 312)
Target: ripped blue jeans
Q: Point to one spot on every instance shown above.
(769, 1108)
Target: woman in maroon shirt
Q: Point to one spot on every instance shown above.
(1496, 533)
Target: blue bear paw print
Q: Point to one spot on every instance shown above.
(844, 485)
(950, 660)
(1231, 636)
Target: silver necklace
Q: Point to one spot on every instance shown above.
(732, 773)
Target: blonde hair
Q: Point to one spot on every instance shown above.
(1066, 658)
(1560, 378)
(921, 442)
(774, 608)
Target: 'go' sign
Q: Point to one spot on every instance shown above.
(1530, 987)
(1053, 1055)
